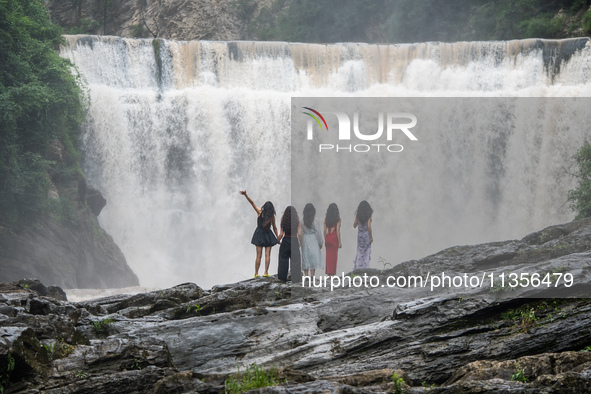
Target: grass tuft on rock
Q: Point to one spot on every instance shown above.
(254, 377)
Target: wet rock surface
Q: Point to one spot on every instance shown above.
(186, 339)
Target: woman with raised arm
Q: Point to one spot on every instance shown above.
(289, 251)
(364, 235)
(332, 237)
(263, 237)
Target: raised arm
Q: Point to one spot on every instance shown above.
(369, 230)
(257, 209)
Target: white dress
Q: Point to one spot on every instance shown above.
(311, 243)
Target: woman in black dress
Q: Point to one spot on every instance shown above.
(263, 237)
(290, 238)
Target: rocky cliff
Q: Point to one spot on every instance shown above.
(65, 247)
(326, 21)
(171, 19)
(186, 340)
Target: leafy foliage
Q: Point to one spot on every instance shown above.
(138, 31)
(84, 26)
(424, 20)
(329, 21)
(398, 387)
(245, 8)
(6, 371)
(254, 377)
(519, 376)
(432, 20)
(580, 197)
(40, 99)
(101, 326)
(587, 22)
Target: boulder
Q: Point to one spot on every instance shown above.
(95, 200)
(65, 253)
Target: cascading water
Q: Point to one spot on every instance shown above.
(175, 129)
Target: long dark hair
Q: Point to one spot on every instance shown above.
(309, 214)
(290, 221)
(268, 213)
(364, 212)
(332, 215)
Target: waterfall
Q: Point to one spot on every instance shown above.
(176, 128)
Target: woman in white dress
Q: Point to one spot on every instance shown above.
(311, 241)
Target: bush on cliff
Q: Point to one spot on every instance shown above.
(40, 100)
(580, 197)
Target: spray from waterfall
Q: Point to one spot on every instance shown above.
(171, 138)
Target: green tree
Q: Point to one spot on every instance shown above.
(430, 20)
(433, 20)
(580, 197)
(40, 99)
(398, 21)
(329, 20)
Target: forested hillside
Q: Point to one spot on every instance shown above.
(40, 101)
(48, 224)
(396, 21)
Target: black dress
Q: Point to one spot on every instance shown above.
(262, 237)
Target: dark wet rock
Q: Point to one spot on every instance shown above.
(57, 292)
(34, 285)
(568, 372)
(95, 200)
(120, 382)
(64, 246)
(55, 151)
(184, 382)
(319, 386)
(69, 255)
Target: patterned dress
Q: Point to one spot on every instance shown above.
(363, 247)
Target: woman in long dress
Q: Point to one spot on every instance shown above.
(311, 241)
(332, 237)
(364, 235)
(290, 237)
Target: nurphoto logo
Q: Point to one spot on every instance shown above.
(396, 122)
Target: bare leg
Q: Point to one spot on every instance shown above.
(257, 262)
(267, 259)
(312, 272)
(306, 272)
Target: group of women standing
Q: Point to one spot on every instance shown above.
(306, 234)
